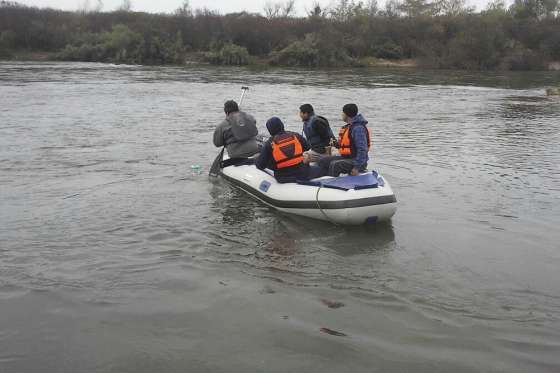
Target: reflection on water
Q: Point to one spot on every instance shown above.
(116, 256)
(236, 208)
(262, 239)
(531, 108)
(366, 240)
(59, 72)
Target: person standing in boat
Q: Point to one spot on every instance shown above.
(353, 145)
(318, 133)
(283, 153)
(237, 133)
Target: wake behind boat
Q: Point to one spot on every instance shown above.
(347, 200)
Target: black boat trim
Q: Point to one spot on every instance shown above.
(325, 205)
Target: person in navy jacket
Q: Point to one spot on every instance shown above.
(317, 132)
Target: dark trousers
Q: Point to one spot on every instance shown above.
(302, 173)
(336, 165)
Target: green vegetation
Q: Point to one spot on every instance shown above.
(313, 50)
(121, 45)
(7, 43)
(229, 54)
(434, 33)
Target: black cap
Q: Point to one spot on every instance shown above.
(350, 109)
(231, 107)
(306, 108)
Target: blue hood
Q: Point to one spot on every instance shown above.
(359, 119)
(274, 126)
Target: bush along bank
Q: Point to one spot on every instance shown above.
(439, 34)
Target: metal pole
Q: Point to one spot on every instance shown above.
(243, 90)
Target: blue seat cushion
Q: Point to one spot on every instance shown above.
(364, 181)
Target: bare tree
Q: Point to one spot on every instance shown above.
(87, 7)
(279, 9)
(392, 8)
(453, 7)
(415, 8)
(288, 8)
(496, 5)
(126, 6)
(9, 4)
(372, 7)
(347, 9)
(272, 10)
(84, 8)
(185, 9)
(316, 10)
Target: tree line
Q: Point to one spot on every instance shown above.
(436, 34)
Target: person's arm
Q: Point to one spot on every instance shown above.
(304, 142)
(359, 138)
(264, 157)
(219, 135)
(336, 142)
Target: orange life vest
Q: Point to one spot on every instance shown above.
(287, 151)
(346, 147)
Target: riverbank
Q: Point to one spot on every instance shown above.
(380, 62)
(30, 56)
(492, 40)
(198, 58)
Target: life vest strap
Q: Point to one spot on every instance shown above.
(290, 162)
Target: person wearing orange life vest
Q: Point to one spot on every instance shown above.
(283, 153)
(353, 145)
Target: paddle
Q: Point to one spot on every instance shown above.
(217, 164)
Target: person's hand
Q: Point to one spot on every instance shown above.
(354, 172)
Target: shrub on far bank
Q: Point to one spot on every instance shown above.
(389, 51)
(312, 51)
(84, 52)
(7, 43)
(298, 53)
(229, 54)
(522, 58)
(524, 36)
(122, 45)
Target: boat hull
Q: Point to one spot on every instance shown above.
(347, 207)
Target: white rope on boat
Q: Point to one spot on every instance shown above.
(320, 208)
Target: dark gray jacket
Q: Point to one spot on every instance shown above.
(237, 132)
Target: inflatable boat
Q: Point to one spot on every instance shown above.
(348, 200)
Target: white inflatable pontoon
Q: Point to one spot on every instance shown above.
(352, 200)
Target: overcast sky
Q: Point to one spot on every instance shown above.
(224, 6)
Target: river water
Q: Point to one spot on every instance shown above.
(117, 256)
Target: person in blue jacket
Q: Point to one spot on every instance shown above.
(283, 153)
(317, 132)
(353, 145)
